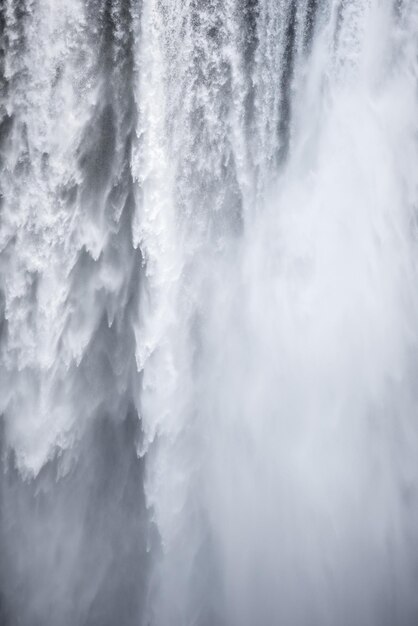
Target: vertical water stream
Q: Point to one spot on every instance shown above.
(209, 312)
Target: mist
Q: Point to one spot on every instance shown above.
(209, 313)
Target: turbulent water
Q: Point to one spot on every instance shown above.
(209, 312)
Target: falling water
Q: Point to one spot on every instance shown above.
(209, 312)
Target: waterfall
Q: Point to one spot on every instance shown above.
(209, 312)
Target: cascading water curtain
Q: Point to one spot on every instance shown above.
(209, 313)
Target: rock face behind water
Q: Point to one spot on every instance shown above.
(208, 313)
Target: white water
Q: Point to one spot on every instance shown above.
(209, 276)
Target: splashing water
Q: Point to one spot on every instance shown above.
(209, 306)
